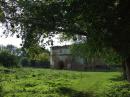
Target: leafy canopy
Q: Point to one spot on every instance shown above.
(106, 23)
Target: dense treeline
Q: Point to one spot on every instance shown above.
(11, 56)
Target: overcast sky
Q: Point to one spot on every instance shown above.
(17, 41)
(9, 40)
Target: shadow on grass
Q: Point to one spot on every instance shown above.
(117, 78)
(7, 71)
(73, 93)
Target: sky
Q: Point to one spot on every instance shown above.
(17, 41)
(9, 40)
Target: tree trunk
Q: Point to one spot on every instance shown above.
(128, 72)
(128, 68)
(124, 73)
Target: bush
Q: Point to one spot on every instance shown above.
(7, 59)
(24, 61)
(43, 57)
(38, 63)
(1, 91)
(121, 89)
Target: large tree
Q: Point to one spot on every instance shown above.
(106, 23)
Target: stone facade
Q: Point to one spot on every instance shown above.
(62, 58)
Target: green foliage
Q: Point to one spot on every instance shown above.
(7, 59)
(1, 91)
(121, 89)
(2, 15)
(88, 52)
(32, 82)
(36, 52)
(106, 26)
(36, 60)
(24, 61)
(43, 57)
(111, 57)
(100, 24)
(11, 49)
(33, 51)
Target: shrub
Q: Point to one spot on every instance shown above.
(121, 89)
(24, 61)
(1, 91)
(7, 59)
(43, 57)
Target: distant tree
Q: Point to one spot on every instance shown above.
(7, 59)
(43, 57)
(18, 52)
(108, 56)
(32, 52)
(11, 48)
(2, 47)
(2, 15)
(24, 61)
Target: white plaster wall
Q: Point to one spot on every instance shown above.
(61, 54)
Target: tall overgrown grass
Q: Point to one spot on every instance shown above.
(30, 82)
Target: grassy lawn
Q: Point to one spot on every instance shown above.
(30, 82)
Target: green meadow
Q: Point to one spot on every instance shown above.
(32, 82)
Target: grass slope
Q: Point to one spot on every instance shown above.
(30, 82)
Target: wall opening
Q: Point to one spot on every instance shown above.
(61, 64)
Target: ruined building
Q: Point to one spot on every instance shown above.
(61, 58)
